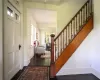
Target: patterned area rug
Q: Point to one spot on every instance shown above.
(35, 73)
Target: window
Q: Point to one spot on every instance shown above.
(10, 12)
(47, 37)
(31, 34)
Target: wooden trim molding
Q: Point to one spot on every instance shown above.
(52, 65)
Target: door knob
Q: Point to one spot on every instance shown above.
(19, 46)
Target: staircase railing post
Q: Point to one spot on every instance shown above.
(52, 66)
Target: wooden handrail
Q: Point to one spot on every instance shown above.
(70, 21)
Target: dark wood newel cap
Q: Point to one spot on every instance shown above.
(52, 35)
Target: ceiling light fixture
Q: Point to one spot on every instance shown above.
(45, 1)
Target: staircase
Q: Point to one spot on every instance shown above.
(69, 39)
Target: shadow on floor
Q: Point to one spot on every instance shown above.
(40, 61)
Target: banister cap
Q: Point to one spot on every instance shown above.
(52, 35)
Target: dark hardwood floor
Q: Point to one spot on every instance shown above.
(37, 61)
(77, 77)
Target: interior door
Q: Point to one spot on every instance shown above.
(11, 42)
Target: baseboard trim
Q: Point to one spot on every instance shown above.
(96, 73)
(26, 62)
(17, 75)
(75, 71)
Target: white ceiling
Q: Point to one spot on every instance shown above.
(44, 16)
(45, 19)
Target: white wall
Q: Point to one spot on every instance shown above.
(86, 58)
(1, 53)
(66, 11)
(28, 48)
(95, 55)
(27, 40)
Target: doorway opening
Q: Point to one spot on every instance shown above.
(43, 23)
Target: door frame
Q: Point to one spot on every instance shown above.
(1, 40)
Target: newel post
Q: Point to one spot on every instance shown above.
(52, 66)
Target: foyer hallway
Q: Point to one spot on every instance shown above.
(40, 65)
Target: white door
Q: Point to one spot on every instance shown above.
(11, 42)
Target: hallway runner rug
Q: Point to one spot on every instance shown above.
(35, 73)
